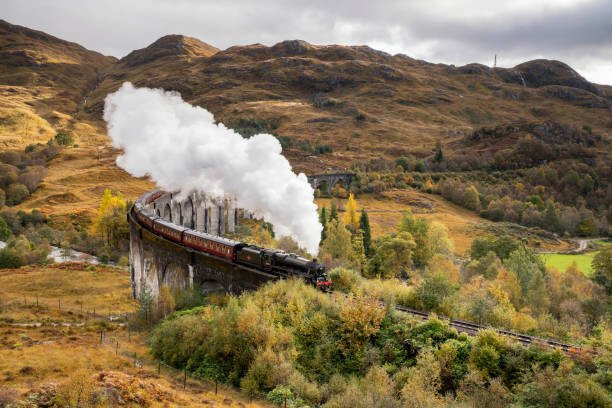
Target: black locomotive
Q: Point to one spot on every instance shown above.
(284, 265)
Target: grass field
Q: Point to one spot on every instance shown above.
(583, 260)
(45, 346)
(564, 261)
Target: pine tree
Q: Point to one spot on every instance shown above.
(350, 215)
(323, 221)
(438, 155)
(364, 227)
(333, 213)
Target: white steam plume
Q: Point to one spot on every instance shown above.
(181, 148)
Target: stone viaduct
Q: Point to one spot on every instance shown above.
(156, 261)
(328, 181)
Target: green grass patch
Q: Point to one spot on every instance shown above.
(564, 261)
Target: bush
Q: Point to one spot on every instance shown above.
(345, 279)
(64, 139)
(16, 194)
(10, 259)
(323, 149)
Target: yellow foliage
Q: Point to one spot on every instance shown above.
(428, 185)
(110, 217)
(360, 320)
(523, 322)
(351, 218)
(421, 389)
(441, 265)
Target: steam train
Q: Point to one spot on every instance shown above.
(273, 261)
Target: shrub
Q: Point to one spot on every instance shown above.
(323, 149)
(16, 194)
(345, 279)
(64, 139)
(10, 259)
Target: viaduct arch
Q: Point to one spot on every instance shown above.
(328, 181)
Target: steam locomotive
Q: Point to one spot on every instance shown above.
(273, 261)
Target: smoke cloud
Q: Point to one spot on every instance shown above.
(180, 147)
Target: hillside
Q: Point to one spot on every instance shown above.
(43, 82)
(364, 104)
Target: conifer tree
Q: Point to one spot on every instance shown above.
(364, 227)
(350, 215)
(323, 221)
(438, 155)
(333, 212)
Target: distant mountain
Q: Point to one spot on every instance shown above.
(362, 102)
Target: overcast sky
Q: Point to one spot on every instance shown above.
(578, 32)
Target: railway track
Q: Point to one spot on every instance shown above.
(472, 329)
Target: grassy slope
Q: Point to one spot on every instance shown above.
(385, 213)
(31, 357)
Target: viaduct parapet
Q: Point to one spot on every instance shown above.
(212, 215)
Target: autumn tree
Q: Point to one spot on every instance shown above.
(392, 256)
(358, 256)
(418, 228)
(471, 198)
(337, 244)
(421, 389)
(110, 222)
(602, 267)
(439, 241)
(351, 218)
